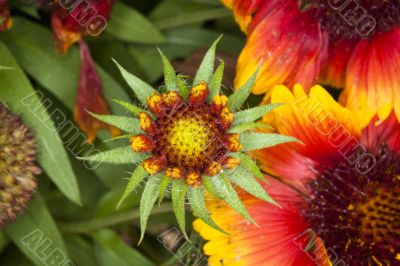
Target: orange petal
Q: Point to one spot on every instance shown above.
(5, 19)
(90, 98)
(219, 102)
(193, 179)
(142, 143)
(286, 43)
(232, 142)
(147, 124)
(280, 231)
(172, 101)
(213, 168)
(198, 94)
(323, 125)
(156, 105)
(175, 172)
(231, 163)
(63, 38)
(226, 118)
(154, 165)
(372, 78)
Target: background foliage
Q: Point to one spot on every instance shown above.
(75, 207)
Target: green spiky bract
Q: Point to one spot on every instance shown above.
(160, 186)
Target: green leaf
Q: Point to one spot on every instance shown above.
(248, 126)
(5, 68)
(129, 25)
(81, 251)
(36, 232)
(17, 92)
(206, 69)
(244, 179)
(198, 204)
(252, 114)
(138, 175)
(255, 141)
(110, 249)
(29, 41)
(149, 197)
(163, 189)
(228, 194)
(249, 164)
(179, 190)
(191, 18)
(127, 124)
(183, 89)
(237, 99)
(119, 155)
(216, 81)
(131, 107)
(171, 81)
(141, 89)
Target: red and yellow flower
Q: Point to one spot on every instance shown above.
(350, 44)
(340, 201)
(71, 22)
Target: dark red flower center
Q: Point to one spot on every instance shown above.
(358, 215)
(357, 19)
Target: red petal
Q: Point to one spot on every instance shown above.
(90, 98)
(372, 78)
(334, 72)
(280, 238)
(287, 43)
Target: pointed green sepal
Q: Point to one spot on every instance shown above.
(228, 194)
(255, 141)
(178, 194)
(138, 175)
(131, 107)
(141, 89)
(121, 155)
(249, 164)
(183, 89)
(127, 124)
(216, 81)
(253, 114)
(237, 99)
(149, 197)
(209, 186)
(171, 81)
(206, 69)
(197, 202)
(245, 180)
(163, 189)
(248, 126)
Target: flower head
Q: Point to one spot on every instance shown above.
(193, 139)
(71, 22)
(345, 44)
(18, 152)
(342, 204)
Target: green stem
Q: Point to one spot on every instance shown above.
(114, 219)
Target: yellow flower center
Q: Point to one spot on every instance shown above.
(189, 136)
